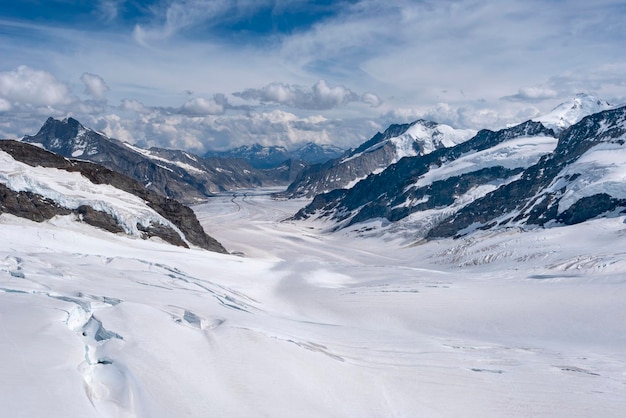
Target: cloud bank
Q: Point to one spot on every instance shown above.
(200, 74)
(321, 96)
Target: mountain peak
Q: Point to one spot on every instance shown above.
(572, 111)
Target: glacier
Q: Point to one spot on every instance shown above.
(299, 322)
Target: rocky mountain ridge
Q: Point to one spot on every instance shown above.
(383, 149)
(178, 224)
(516, 177)
(176, 174)
(267, 157)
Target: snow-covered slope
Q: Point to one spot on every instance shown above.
(582, 179)
(516, 177)
(39, 185)
(398, 141)
(308, 324)
(571, 112)
(420, 138)
(72, 190)
(435, 185)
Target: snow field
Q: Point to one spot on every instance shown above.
(309, 324)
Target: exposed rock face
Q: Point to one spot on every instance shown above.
(581, 178)
(418, 138)
(28, 205)
(171, 173)
(37, 208)
(561, 187)
(392, 194)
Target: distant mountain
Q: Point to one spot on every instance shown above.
(264, 157)
(418, 138)
(172, 173)
(315, 154)
(38, 185)
(516, 177)
(572, 111)
(256, 155)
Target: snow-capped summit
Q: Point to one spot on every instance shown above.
(172, 173)
(572, 111)
(420, 137)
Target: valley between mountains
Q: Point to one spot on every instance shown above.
(304, 323)
(429, 272)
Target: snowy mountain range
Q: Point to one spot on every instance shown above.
(522, 176)
(468, 301)
(418, 138)
(39, 185)
(172, 173)
(264, 157)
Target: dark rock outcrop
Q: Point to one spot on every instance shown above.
(37, 208)
(533, 199)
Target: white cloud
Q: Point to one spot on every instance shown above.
(94, 85)
(133, 105)
(475, 117)
(27, 86)
(200, 106)
(321, 96)
(537, 93)
(5, 105)
(371, 99)
(108, 9)
(179, 15)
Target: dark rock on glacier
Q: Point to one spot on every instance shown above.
(37, 208)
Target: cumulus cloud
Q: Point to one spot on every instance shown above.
(26, 86)
(201, 106)
(371, 99)
(321, 96)
(94, 85)
(133, 105)
(162, 128)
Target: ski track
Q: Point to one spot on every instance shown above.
(304, 323)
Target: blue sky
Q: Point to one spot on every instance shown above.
(201, 74)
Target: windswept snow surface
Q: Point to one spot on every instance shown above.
(306, 324)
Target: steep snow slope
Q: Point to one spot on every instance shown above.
(38, 185)
(310, 324)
